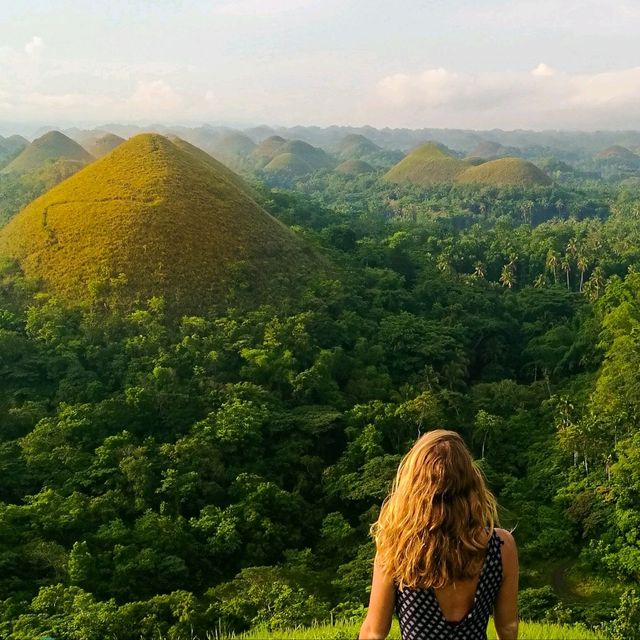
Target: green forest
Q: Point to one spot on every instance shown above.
(172, 475)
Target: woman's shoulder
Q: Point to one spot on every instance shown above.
(509, 551)
(506, 538)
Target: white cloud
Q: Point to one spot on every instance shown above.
(258, 8)
(543, 71)
(543, 97)
(34, 46)
(155, 97)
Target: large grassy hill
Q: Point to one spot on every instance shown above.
(428, 164)
(505, 171)
(52, 146)
(10, 147)
(166, 217)
(431, 164)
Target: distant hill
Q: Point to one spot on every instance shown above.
(358, 147)
(52, 146)
(505, 171)
(617, 152)
(290, 164)
(258, 134)
(315, 157)
(100, 143)
(167, 218)
(267, 150)
(489, 149)
(355, 146)
(10, 147)
(617, 158)
(432, 164)
(354, 168)
(289, 158)
(232, 148)
(429, 164)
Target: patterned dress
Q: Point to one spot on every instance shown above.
(420, 615)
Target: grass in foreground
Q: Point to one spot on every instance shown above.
(349, 631)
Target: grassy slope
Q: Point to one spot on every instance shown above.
(267, 150)
(354, 167)
(505, 171)
(51, 146)
(289, 163)
(163, 216)
(527, 631)
(428, 164)
(313, 156)
(355, 146)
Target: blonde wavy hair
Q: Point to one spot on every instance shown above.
(434, 525)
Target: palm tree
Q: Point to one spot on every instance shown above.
(540, 281)
(478, 270)
(595, 284)
(583, 265)
(552, 264)
(566, 267)
(507, 278)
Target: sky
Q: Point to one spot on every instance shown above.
(474, 64)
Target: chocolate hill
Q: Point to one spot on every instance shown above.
(173, 221)
(428, 164)
(505, 171)
(52, 146)
(431, 164)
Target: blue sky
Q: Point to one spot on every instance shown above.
(432, 63)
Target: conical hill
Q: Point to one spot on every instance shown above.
(505, 171)
(52, 146)
(167, 219)
(426, 165)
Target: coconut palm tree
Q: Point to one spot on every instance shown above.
(507, 279)
(478, 270)
(565, 263)
(540, 281)
(552, 264)
(582, 264)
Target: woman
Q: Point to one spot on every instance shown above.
(440, 563)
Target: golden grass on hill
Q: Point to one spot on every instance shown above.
(51, 146)
(505, 171)
(172, 221)
(428, 164)
(354, 168)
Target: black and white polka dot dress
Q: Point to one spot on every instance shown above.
(420, 615)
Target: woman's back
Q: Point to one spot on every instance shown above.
(440, 562)
(454, 612)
